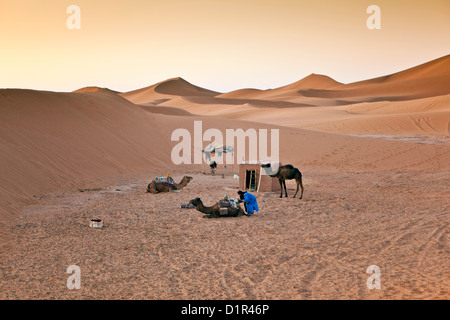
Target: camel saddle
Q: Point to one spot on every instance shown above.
(167, 182)
(224, 204)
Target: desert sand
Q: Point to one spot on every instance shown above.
(374, 157)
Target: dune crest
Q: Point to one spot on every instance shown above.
(166, 90)
(424, 81)
(95, 89)
(413, 101)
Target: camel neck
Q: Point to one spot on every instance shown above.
(202, 208)
(181, 184)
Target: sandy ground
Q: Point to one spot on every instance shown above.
(315, 248)
(374, 154)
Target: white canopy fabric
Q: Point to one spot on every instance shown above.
(220, 148)
(273, 169)
(209, 149)
(268, 170)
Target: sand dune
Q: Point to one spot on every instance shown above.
(374, 155)
(427, 80)
(64, 140)
(191, 103)
(431, 104)
(421, 116)
(166, 90)
(61, 140)
(315, 81)
(165, 110)
(241, 94)
(96, 90)
(434, 68)
(385, 91)
(414, 101)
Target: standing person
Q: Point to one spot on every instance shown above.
(213, 167)
(250, 203)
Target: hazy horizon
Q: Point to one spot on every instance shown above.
(221, 46)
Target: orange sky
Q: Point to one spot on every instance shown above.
(220, 45)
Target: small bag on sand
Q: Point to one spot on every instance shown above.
(187, 206)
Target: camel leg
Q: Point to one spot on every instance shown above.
(301, 186)
(235, 212)
(281, 188)
(210, 215)
(297, 189)
(285, 191)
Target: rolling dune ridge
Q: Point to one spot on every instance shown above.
(374, 156)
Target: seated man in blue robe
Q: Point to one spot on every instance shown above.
(249, 200)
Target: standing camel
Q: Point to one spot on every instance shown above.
(288, 172)
(214, 211)
(157, 187)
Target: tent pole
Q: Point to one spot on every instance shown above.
(259, 182)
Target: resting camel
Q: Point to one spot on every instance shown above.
(154, 187)
(214, 211)
(288, 172)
